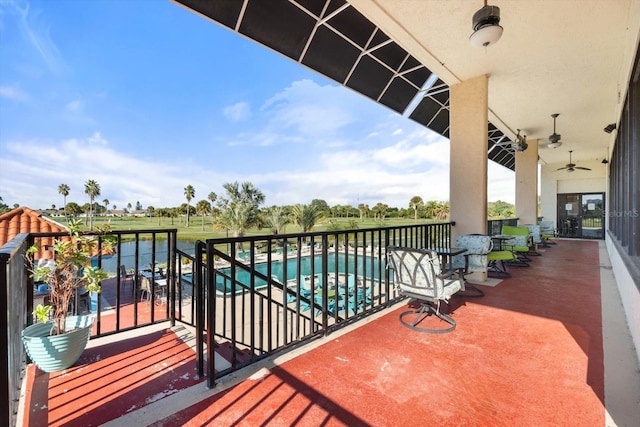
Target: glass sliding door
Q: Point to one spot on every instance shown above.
(581, 215)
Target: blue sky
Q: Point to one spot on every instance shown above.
(146, 98)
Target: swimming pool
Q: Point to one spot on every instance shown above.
(366, 266)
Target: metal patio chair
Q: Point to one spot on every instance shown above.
(417, 275)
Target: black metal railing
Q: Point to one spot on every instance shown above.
(120, 307)
(144, 295)
(13, 306)
(264, 294)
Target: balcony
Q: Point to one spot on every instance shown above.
(548, 346)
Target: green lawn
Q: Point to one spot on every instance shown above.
(195, 229)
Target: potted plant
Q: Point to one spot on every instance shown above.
(58, 340)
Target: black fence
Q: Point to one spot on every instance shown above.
(494, 226)
(265, 294)
(145, 286)
(13, 302)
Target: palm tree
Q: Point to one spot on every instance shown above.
(380, 210)
(442, 211)
(203, 207)
(105, 202)
(239, 209)
(306, 216)
(415, 203)
(277, 218)
(189, 193)
(92, 189)
(64, 190)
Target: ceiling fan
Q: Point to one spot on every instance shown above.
(570, 167)
(554, 138)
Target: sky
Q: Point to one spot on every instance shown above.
(146, 97)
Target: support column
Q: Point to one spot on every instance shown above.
(527, 184)
(468, 163)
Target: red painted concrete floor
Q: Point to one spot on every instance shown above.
(529, 353)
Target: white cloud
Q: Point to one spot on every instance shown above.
(238, 112)
(74, 106)
(14, 93)
(310, 110)
(37, 34)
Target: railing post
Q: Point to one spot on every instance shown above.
(196, 276)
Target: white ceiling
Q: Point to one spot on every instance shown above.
(571, 57)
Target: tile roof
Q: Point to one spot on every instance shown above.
(26, 220)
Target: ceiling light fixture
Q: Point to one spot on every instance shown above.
(486, 26)
(554, 138)
(520, 144)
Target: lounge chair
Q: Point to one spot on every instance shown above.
(416, 274)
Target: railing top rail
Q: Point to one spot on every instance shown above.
(100, 233)
(321, 233)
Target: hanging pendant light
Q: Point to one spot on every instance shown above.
(486, 26)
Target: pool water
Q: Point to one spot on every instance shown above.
(366, 267)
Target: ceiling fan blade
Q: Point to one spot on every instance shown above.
(559, 169)
(584, 169)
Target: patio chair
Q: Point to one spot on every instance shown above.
(145, 291)
(498, 261)
(535, 238)
(548, 232)
(474, 260)
(519, 244)
(126, 277)
(416, 274)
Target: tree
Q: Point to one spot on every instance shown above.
(73, 209)
(212, 198)
(189, 193)
(64, 189)
(105, 202)
(3, 207)
(364, 210)
(276, 218)
(138, 206)
(203, 207)
(305, 216)
(430, 209)
(415, 203)
(500, 209)
(239, 209)
(173, 213)
(160, 213)
(321, 206)
(150, 212)
(92, 189)
(442, 211)
(380, 211)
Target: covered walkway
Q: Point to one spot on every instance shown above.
(531, 352)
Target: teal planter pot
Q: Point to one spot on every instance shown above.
(53, 353)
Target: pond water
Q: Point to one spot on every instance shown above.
(128, 254)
